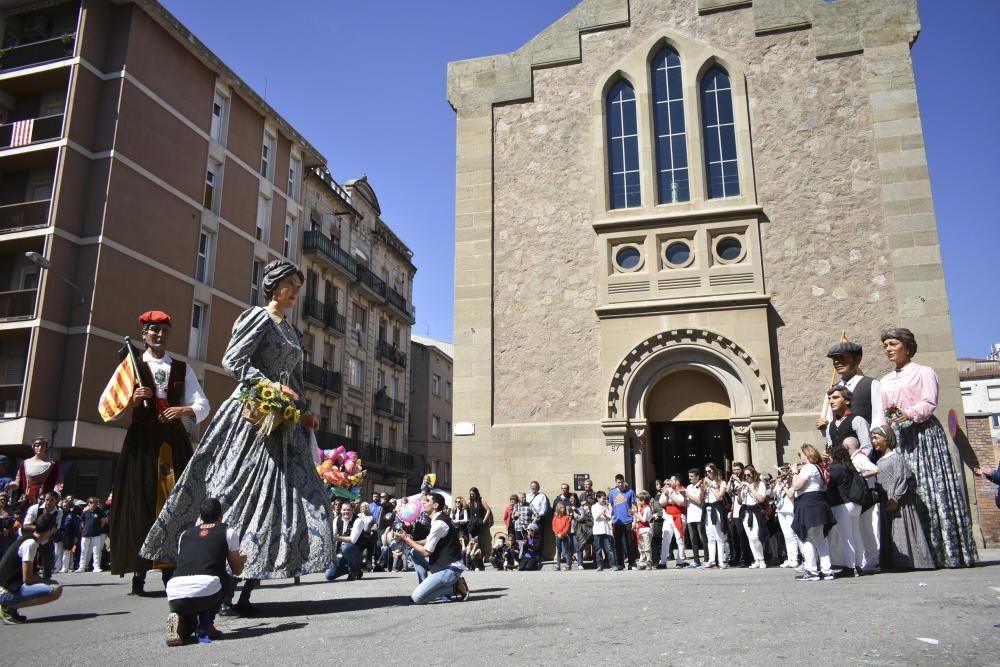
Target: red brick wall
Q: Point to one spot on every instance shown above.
(987, 456)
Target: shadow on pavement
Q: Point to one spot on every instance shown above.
(73, 617)
(316, 607)
(73, 585)
(260, 630)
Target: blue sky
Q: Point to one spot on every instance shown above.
(365, 83)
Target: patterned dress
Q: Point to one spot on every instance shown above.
(904, 530)
(267, 485)
(924, 446)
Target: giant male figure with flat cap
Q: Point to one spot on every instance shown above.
(866, 393)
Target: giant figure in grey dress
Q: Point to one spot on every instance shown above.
(267, 485)
(904, 532)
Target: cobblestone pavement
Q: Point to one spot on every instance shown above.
(669, 617)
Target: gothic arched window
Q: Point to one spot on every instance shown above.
(623, 146)
(721, 167)
(668, 124)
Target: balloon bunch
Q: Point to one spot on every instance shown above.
(342, 470)
(410, 511)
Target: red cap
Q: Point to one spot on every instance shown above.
(154, 317)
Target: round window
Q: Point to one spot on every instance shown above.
(628, 258)
(678, 253)
(729, 249)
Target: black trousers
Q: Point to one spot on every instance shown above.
(697, 540)
(739, 545)
(625, 547)
(189, 608)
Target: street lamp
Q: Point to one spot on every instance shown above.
(47, 265)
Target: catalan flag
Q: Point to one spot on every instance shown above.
(118, 393)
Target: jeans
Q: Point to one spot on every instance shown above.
(436, 585)
(625, 542)
(564, 549)
(25, 593)
(603, 543)
(420, 564)
(346, 563)
(576, 547)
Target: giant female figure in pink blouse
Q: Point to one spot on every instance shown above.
(910, 395)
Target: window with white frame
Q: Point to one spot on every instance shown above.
(267, 156)
(436, 385)
(220, 114)
(380, 380)
(447, 391)
(263, 218)
(287, 244)
(256, 272)
(995, 421)
(355, 373)
(668, 124)
(202, 272)
(199, 322)
(294, 175)
(623, 146)
(213, 179)
(993, 392)
(435, 426)
(719, 130)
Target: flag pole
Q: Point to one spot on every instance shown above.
(146, 403)
(833, 380)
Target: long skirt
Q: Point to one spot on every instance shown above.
(904, 538)
(270, 493)
(940, 492)
(153, 457)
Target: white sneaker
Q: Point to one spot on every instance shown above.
(98, 571)
(79, 571)
(761, 565)
(579, 567)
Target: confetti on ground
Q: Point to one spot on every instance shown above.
(928, 640)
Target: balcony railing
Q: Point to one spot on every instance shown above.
(17, 305)
(371, 281)
(324, 314)
(372, 456)
(398, 301)
(321, 378)
(314, 241)
(31, 131)
(391, 353)
(24, 215)
(36, 53)
(388, 406)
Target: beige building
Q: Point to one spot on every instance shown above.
(146, 174)
(430, 406)
(356, 313)
(666, 213)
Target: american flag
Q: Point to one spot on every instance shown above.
(118, 393)
(22, 132)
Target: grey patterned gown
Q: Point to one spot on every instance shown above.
(904, 530)
(267, 485)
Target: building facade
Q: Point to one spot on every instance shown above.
(666, 213)
(431, 393)
(356, 315)
(980, 380)
(145, 174)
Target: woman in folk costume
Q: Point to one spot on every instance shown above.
(264, 478)
(910, 395)
(166, 402)
(38, 475)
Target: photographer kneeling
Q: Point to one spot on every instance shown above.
(444, 556)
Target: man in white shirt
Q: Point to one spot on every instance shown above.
(157, 445)
(869, 520)
(695, 509)
(347, 529)
(19, 585)
(540, 504)
(443, 551)
(49, 505)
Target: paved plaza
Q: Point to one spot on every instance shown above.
(743, 617)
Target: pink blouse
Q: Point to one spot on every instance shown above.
(913, 389)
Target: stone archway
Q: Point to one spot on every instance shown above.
(754, 421)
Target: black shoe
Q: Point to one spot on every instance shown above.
(245, 609)
(138, 588)
(228, 611)
(661, 566)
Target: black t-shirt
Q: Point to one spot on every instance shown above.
(838, 490)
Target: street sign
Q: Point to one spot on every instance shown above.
(578, 480)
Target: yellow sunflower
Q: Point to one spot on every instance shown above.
(290, 413)
(265, 408)
(267, 393)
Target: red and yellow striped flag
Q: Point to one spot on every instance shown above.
(118, 394)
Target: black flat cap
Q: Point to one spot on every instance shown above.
(845, 347)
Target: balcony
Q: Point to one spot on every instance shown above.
(17, 305)
(368, 279)
(315, 243)
(24, 215)
(324, 314)
(391, 353)
(398, 301)
(31, 131)
(321, 378)
(36, 52)
(390, 407)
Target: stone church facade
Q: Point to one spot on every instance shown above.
(667, 211)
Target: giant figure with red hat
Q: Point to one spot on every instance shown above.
(166, 400)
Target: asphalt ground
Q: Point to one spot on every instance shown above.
(666, 617)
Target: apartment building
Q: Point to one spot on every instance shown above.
(145, 174)
(430, 406)
(355, 314)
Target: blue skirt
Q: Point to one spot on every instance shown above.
(811, 510)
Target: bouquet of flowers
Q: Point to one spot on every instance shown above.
(892, 412)
(342, 471)
(267, 408)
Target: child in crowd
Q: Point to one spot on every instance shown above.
(529, 559)
(644, 532)
(561, 524)
(603, 532)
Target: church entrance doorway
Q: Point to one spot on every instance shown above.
(688, 411)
